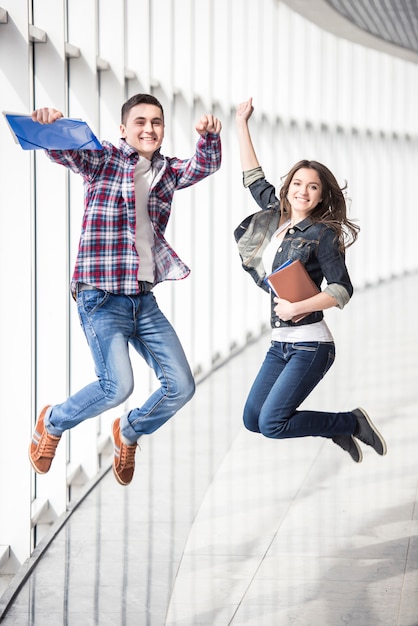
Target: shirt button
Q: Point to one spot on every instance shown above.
(291, 231)
(277, 324)
(280, 249)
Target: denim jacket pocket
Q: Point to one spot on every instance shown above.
(300, 249)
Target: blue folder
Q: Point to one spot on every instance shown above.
(64, 134)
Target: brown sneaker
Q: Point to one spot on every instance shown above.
(43, 445)
(124, 456)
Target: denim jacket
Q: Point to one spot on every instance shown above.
(314, 244)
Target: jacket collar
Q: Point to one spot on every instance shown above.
(304, 224)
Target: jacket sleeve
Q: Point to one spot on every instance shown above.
(332, 262)
(261, 190)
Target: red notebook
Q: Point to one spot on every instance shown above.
(292, 282)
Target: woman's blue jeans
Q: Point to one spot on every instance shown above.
(286, 378)
(111, 323)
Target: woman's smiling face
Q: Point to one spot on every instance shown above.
(305, 192)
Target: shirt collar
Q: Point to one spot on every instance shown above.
(130, 152)
(126, 149)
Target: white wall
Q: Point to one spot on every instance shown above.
(315, 97)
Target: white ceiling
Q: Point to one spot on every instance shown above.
(387, 25)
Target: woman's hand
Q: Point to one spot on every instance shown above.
(287, 310)
(247, 153)
(284, 309)
(244, 111)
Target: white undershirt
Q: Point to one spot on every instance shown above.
(318, 331)
(144, 234)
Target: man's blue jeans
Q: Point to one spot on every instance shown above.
(110, 323)
(288, 375)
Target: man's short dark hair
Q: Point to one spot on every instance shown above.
(139, 98)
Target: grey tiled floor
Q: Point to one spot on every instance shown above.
(221, 526)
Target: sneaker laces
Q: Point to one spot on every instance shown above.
(48, 445)
(127, 455)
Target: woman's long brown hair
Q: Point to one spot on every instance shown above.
(332, 210)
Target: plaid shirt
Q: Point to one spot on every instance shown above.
(107, 257)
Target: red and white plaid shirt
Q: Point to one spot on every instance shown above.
(107, 257)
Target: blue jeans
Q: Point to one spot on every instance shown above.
(110, 323)
(288, 375)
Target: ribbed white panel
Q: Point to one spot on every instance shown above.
(315, 96)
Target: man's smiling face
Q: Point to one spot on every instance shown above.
(144, 129)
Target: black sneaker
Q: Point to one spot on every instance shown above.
(367, 432)
(350, 445)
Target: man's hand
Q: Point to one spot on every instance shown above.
(46, 116)
(208, 124)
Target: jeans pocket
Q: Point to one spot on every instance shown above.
(319, 354)
(330, 360)
(91, 300)
(305, 347)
